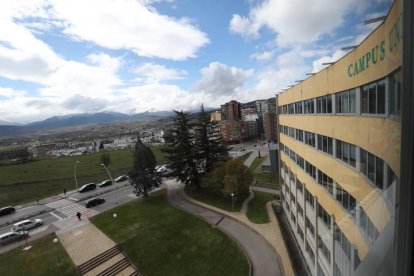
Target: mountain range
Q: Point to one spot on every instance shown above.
(8, 128)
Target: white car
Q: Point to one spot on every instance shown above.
(26, 225)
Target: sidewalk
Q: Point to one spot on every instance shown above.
(270, 231)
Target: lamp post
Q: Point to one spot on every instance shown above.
(76, 181)
(110, 177)
(232, 202)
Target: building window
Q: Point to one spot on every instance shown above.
(299, 185)
(346, 200)
(293, 155)
(367, 227)
(299, 209)
(309, 106)
(324, 104)
(324, 249)
(373, 168)
(291, 132)
(300, 161)
(292, 217)
(310, 138)
(310, 227)
(299, 135)
(325, 144)
(309, 198)
(343, 242)
(291, 109)
(298, 108)
(325, 181)
(300, 232)
(373, 98)
(325, 217)
(310, 169)
(310, 252)
(346, 102)
(346, 152)
(394, 102)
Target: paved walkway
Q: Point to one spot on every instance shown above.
(265, 190)
(269, 231)
(263, 257)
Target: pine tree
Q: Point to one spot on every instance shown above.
(181, 151)
(209, 142)
(143, 175)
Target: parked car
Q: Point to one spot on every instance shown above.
(87, 187)
(10, 237)
(7, 210)
(93, 202)
(26, 225)
(121, 178)
(105, 183)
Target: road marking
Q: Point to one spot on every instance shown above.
(56, 216)
(74, 199)
(72, 209)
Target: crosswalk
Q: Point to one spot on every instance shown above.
(72, 209)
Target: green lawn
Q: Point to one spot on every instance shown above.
(263, 179)
(219, 201)
(256, 211)
(44, 258)
(47, 176)
(163, 240)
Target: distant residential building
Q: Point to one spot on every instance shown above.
(247, 110)
(215, 116)
(233, 131)
(270, 127)
(231, 111)
(41, 150)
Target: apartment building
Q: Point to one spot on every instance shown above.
(339, 133)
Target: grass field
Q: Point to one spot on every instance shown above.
(43, 177)
(263, 179)
(256, 211)
(163, 240)
(44, 258)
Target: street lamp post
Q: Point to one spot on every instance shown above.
(110, 177)
(76, 181)
(232, 202)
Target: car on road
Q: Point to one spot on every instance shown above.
(105, 183)
(121, 178)
(163, 169)
(95, 201)
(7, 210)
(10, 237)
(26, 225)
(87, 187)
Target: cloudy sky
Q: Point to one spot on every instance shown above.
(62, 57)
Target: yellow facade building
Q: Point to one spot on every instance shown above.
(339, 133)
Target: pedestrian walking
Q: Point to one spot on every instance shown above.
(78, 215)
(64, 191)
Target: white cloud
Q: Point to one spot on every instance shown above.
(317, 64)
(220, 79)
(11, 93)
(131, 25)
(266, 55)
(295, 21)
(151, 72)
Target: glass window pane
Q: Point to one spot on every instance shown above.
(329, 104)
(381, 98)
(372, 104)
(379, 172)
(338, 102)
(338, 149)
(330, 146)
(352, 101)
(364, 99)
(345, 149)
(371, 167)
(345, 102)
(352, 156)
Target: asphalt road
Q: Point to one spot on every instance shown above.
(67, 208)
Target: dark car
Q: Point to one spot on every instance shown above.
(105, 183)
(87, 187)
(121, 178)
(7, 210)
(10, 237)
(93, 202)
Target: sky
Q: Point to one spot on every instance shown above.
(62, 57)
